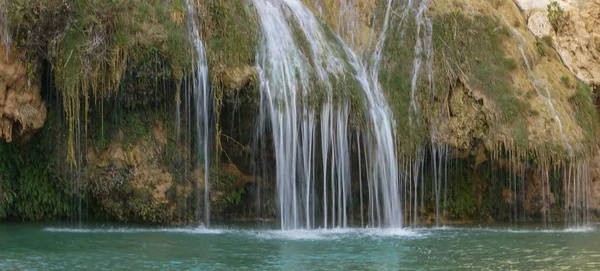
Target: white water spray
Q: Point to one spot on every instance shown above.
(284, 71)
(203, 103)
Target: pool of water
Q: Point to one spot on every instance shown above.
(255, 247)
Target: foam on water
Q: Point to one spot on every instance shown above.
(337, 233)
(582, 229)
(198, 230)
(297, 235)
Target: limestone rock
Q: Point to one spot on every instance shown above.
(129, 180)
(539, 25)
(22, 111)
(238, 77)
(352, 20)
(527, 5)
(469, 115)
(579, 43)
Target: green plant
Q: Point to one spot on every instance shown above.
(558, 18)
(462, 198)
(541, 48)
(547, 39)
(89, 44)
(469, 50)
(566, 81)
(510, 63)
(32, 187)
(586, 112)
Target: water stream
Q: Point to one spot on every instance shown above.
(575, 174)
(203, 102)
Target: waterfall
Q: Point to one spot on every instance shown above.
(382, 162)
(423, 46)
(285, 71)
(576, 179)
(546, 97)
(436, 161)
(202, 101)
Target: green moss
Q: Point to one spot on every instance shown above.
(396, 79)
(461, 196)
(32, 186)
(470, 49)
(547, 40)
(541, 47)
(89, 43)
(232, 35)
(585, 111)
(566, 81)
(520, 133)
(467, 50)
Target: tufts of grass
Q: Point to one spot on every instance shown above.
(547, 40)
(585, 110)
(468, 49)
(396, 79)
(231, 30)
(566, 81)
(89, 44)
(558, 18)
(541, 47)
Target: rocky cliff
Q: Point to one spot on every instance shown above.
(492, 81)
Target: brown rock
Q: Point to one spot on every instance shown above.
(22, 111)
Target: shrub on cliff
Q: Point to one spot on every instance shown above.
(557, 16)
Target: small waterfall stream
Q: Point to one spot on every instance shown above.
(575, 174)
(202, 101)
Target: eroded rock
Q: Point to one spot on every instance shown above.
(22, 111)
(539, 25)
(579, 43)
(129, 180)
(469, 114)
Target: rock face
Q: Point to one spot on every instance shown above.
(22, 111)
(526, 5)
(129, 181)
(352, 20)
(579, 43)
(468, 117)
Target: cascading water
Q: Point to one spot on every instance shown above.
(423, 76)
(423, 46)
(547, 98)
(285, 71)
(202, 101)
(575, 174)
(382, 163)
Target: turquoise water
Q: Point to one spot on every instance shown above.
(243, 247)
